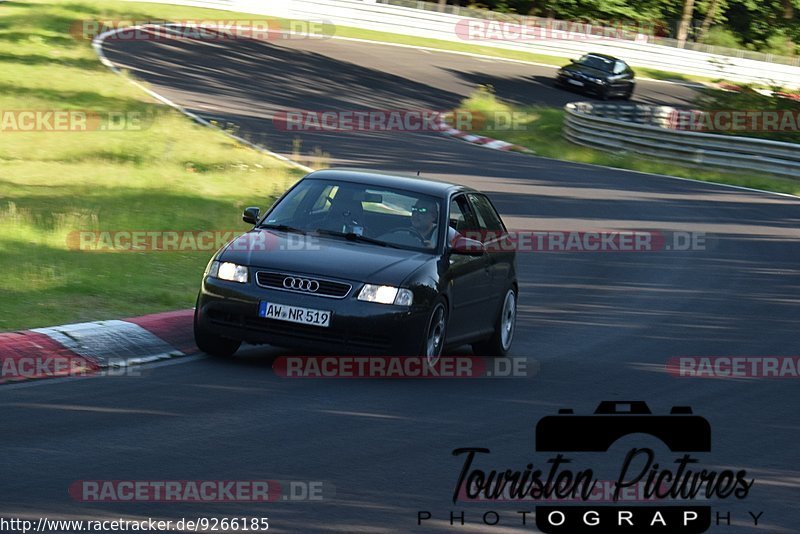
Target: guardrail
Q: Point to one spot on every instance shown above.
(473, 12)
(644, 130)
(424, 21)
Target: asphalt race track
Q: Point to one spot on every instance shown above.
(592, 326)
(247, 84)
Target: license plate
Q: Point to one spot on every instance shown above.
(294, 314)
(576, 82)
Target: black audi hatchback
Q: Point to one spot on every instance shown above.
(603, 75)
(357, 262)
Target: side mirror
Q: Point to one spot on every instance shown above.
(251, 214)
(573, 60)
(468, 247)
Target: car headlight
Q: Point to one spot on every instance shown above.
(228, 271)
(386, 295)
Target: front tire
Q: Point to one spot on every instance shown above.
(211, 343)
(435, 332)
(628, 93)
(499, 344)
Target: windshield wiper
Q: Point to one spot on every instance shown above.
(350, 236)
(284, 228)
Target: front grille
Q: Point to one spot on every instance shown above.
(335, 338)
(299, 331)
(332, 336)
(327, 288)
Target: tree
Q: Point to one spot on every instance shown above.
(686, 19)
(788, 9)
(711, 14)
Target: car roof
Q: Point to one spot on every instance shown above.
(604, 56)
(394, 181)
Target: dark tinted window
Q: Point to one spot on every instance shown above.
(488, 219)
(596, 62)
(390, 215)
(460, 218)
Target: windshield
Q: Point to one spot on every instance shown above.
(596, 62)
(341, 210)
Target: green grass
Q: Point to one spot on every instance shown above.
(169, 175)
(539, 129)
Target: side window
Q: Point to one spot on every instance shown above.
(460, 217)
(489, 221)
(620, 67)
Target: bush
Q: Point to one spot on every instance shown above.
(781, 45)
(719, 36)
(747, 99)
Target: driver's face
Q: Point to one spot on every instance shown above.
(423, 217)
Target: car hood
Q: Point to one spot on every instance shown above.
(596, 73)
(323, 256)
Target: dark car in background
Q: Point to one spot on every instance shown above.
(600, 74)
(359, 262)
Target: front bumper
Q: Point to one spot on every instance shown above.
(586, 85)
(230, 309)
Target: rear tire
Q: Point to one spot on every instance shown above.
(211, 343)
(500, 343)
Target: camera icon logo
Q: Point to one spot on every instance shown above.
(680, 430)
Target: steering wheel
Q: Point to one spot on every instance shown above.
(407, 230)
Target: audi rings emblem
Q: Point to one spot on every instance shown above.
(300, 284)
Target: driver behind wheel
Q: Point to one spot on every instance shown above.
(424, 218)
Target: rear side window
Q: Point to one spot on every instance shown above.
(460, 219)
(488, 219)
